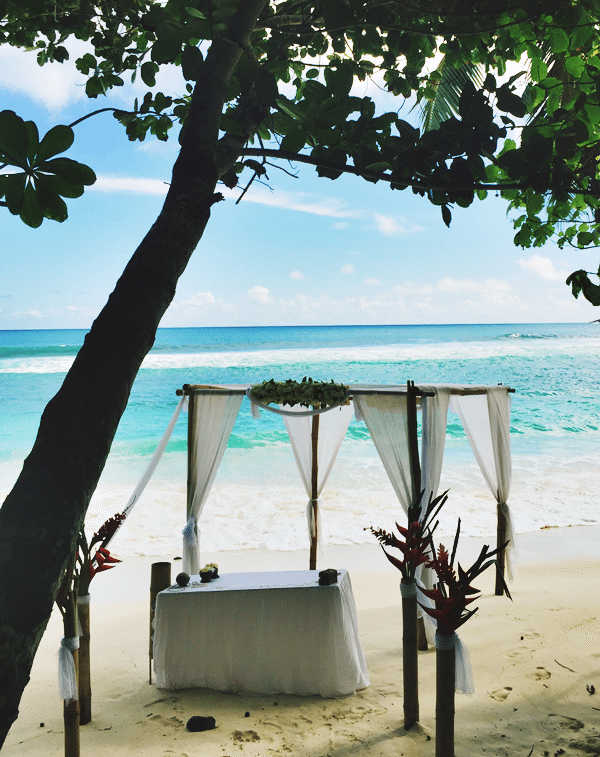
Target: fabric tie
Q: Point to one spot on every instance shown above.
(67, 678)
(463, 673)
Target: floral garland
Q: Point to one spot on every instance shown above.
(307, 392)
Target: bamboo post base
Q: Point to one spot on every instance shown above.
(160, 578)
(445, 658)
(84, 683)
(410, 658)
(422, 645)
(71, 721)
(501, 557)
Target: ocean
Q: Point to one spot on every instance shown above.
(258, 500)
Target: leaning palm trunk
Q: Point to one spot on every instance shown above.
(408, 589)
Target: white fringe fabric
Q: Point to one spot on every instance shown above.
(67, 679)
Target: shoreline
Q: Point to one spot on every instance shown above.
(533, 659)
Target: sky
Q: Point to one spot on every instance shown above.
(299, 250)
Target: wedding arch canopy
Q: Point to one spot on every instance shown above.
(390, 414)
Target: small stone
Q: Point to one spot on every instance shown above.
(200, 723)
(246, 714)
(42, 725)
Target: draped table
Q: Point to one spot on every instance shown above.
(276, 632)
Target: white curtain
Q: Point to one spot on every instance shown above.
(435, 419)
(212, 418)
(386, 418)
(332, 426)
(155, 459)
(486, 420)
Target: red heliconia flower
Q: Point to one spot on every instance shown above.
(107, 530)
(102, 560)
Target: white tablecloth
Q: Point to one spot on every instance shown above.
(263, 632)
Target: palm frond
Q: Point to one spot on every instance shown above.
(450, 84)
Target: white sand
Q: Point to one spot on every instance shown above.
(533, 660)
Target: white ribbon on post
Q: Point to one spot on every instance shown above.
(67, 677)
(463, 672)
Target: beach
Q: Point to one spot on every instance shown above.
(536, 667)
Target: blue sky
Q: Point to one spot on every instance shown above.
(301, 251)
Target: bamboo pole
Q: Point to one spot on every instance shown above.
(415, 468)
(501, 557)
(445, 659)
(410, 656)
(160, 578)
(314, 490)
(84, 674)
(71, 709)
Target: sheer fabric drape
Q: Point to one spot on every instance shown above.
(486, 420)
(332, 426)
(213, 416)
(386, 419)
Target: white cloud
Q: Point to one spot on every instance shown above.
(260, 294)
(302, 201)
(130, 184)
(543, 268)
(449, 284)
(347, 270)
(296, 275)
(409, 287)
(373, 282)
(392, 226)
(54, 85)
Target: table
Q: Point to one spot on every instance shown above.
(276, 632)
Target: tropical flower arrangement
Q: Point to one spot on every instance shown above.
(307, 392)
(73, 602)
(416, 548)
(452, 595)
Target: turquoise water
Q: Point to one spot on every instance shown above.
(555, 424)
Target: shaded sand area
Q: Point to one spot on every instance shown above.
(536, 661)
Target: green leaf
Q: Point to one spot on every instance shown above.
(446, 215)
(86, 63)
(191, 62)
(53, 183)
(52, 205)
(14, 192)
(575, 66)
(31, 213)
(510, 102)
(539, 69)
(558, 38)
(69, 170)
(33, 140)
(340, 79)
(164, 50)
(13, 139)
(57, 140)
(148, 71)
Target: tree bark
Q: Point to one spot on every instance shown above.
(42, 515)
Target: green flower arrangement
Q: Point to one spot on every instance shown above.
(307, 392)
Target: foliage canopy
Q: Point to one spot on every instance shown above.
(527, 130)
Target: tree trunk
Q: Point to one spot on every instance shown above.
(42, 515)
(410, 656)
